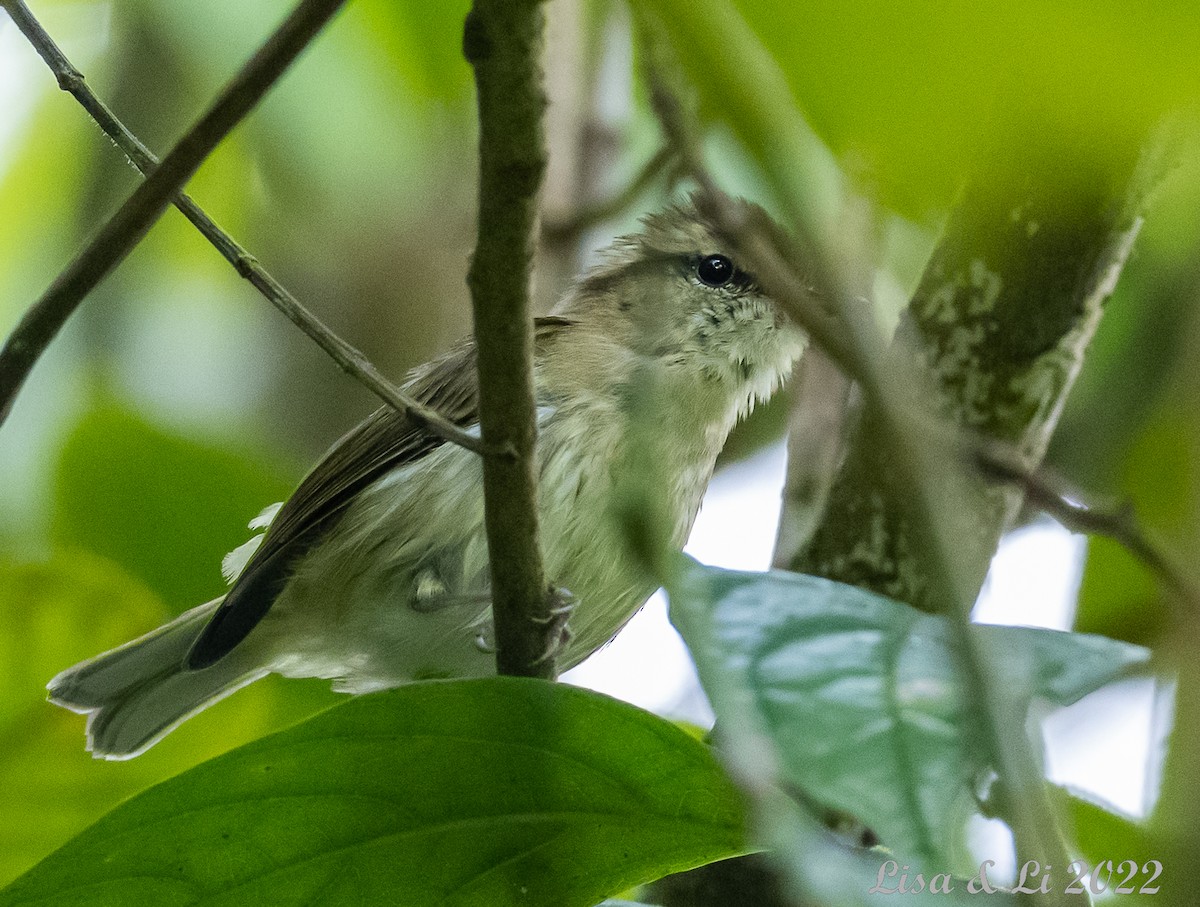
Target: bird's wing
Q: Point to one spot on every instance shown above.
(384, 440)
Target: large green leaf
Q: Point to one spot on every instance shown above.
(489, 792)
(859, 696)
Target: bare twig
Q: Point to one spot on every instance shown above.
(133, 220)
(1051, 494)
(347, 357)
(502, 40)
(585, 219)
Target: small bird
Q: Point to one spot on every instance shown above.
(374, 572)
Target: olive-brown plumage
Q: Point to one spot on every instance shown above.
(374, 572)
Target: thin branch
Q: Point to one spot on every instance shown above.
(347, 357)
(586, 218)
(1051, 494)
(133, 220)
(71, 81)
(502, 40)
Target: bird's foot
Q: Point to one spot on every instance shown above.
(557, 633)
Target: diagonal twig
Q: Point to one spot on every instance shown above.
(1051, 494)
(803, 303)
(22, 349)
(590, 216)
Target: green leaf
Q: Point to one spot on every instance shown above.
(859, 697)
(52, 614)
(55, 614)
(390, 75)
(489, 792)
(44, 167)
(164, 507)
(423, 43)
(1101, 833)
(1140, 343)
(742, 85)
(50, 611)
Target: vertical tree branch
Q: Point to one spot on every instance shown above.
(1002, 316)
(814, 437)
(929, 494)
(133, 220)
(502, 40)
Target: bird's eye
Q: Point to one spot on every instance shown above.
(715, 270)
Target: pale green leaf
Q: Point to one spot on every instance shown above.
(859, 696)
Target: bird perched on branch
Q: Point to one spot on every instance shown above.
(375, 571)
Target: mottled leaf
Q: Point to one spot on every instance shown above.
(859, 697)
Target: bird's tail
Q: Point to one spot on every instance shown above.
(134, 695)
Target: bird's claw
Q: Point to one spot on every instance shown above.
(557, 633)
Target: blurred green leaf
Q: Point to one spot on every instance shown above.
(859, 697)
(489, 792)
(1118, 595)
(164, 507)
(350, 131)
(42, 172)
(741, 85)
(913, 95)
(423, 42)
(1142, 342)
(1101, 835)
(55, 614)
(142, 54)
